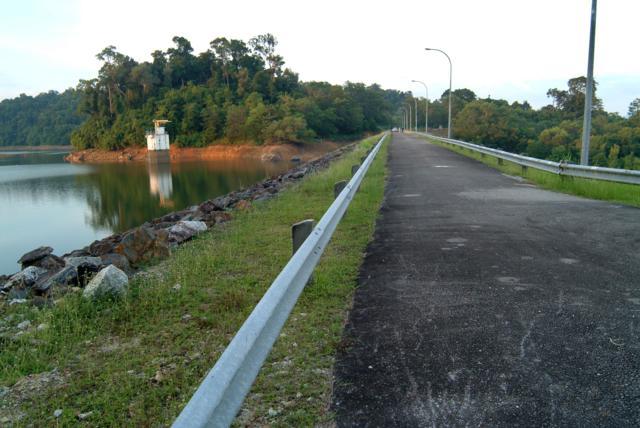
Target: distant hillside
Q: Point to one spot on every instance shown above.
(43, 120)
(234, 92)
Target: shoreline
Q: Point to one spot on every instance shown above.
(273, 153)
(34, 148)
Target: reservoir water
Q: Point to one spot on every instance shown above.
(46, 201)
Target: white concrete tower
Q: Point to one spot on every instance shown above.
(158, 139)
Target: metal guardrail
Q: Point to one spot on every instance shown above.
(561, 168)
(220, 395)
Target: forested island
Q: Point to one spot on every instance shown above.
(239, 92)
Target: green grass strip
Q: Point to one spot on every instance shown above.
(628, 194)
(137, 361)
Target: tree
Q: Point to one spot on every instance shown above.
(634, 108)
(572, 101)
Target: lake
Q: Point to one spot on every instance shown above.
(46, 201)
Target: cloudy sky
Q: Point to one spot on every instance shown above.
(512, 49)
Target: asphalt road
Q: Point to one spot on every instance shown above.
(486, 301)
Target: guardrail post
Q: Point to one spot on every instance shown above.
(354, 169)
(524, 169)
(339, 187)
(500, 161)
(300, 231)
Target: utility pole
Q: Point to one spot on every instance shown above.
(588, 100)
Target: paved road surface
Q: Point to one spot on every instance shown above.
(484, 300)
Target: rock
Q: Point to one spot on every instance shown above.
(17, 301)
(105, 246)
(118, 260)
(24, 325)
(185, 230)
(134, 243)
(25, 278)
(42, 327)
(222, 202)
(50, 262)
(110, 281)
(67, 276)
(299, 174)
(86, 261)
(85, 266)
(222, 217)
(57, 413)
(207, 207)
(79, 253)
(32, 256)
(242, 205)
(186, 317)
(144, 244)
(296, 159)
(176, 287)
(83, 416)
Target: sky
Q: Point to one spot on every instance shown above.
(511, 49)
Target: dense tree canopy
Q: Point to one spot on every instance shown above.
(555, 131)
(46, 119)
(233, 92)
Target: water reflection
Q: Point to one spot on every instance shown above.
(161, 181)
(49, 202)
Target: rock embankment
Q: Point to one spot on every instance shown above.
(109, 261)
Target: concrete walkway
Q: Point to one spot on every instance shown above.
(484, 300)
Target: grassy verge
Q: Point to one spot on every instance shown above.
(137, 361)
(628, 194)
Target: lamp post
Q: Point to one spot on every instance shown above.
(415, 123)
(426, 106)
(403, 120)
(450, 78)
(409, 105)
(588, 100)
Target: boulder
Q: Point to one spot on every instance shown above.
(78, 253)
(118, 260)
(222, 202)
(144, 244)
(25, 278)
(32, 256)
(185, 230)
(104, 246)
(110, 281)
(86, 267)
(50, 262)
(84, 261)
(67, 276)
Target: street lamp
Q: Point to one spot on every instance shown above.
(450, 77)
(586, 127)
(409, 105)
(404, 117)
(426, 106)
(415, 124)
